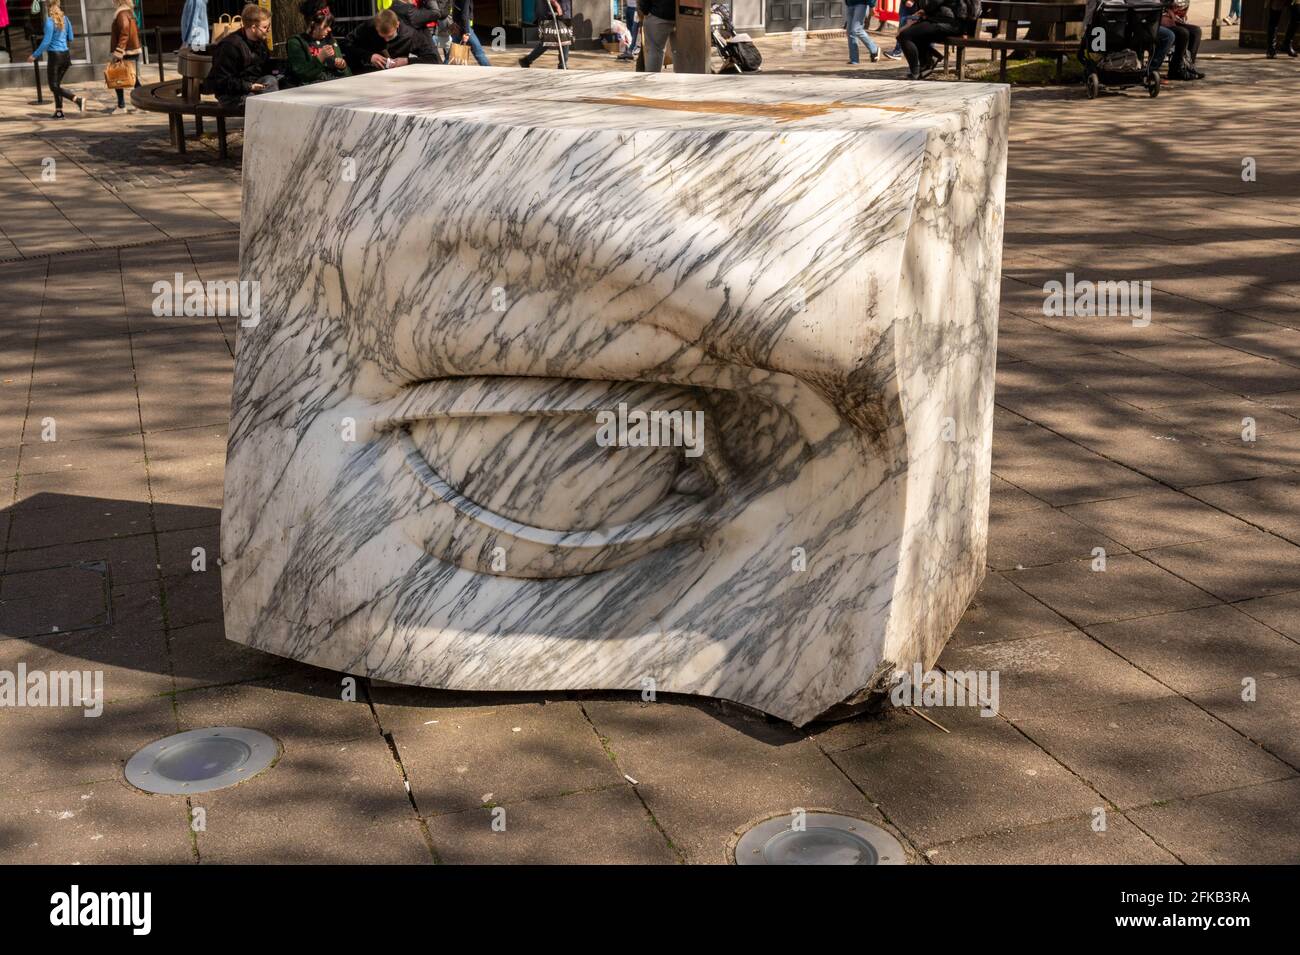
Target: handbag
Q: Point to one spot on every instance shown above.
(554, 33)
(459, 55)
(120, 75)
(226, 24)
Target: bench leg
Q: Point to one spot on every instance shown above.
(945, 59)
(198, 127)
(961, 63)
(1060, 66)
(221, 137)
(1002, 70)
(180, 133)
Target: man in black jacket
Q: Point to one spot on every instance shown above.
(241, 63)
(386, 42)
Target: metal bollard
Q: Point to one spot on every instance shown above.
(36, 66)
(157, 39)
(1217, 24)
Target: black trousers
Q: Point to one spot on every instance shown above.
(1275, 20)
(1187, 39)
(532, 55)
(56, 67)
(916, 37)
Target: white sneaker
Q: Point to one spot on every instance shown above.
(117, 109)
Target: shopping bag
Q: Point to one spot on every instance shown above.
(226, 24)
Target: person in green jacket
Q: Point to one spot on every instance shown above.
(314, 55)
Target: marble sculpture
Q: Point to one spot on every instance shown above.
(476, 284)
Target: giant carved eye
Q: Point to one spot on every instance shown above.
(576, 476)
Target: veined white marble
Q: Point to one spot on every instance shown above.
(461, 267)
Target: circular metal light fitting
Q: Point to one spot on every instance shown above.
(824, 838)
(200, 761)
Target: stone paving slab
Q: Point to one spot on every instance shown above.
(1067, 842)
(1254, 825)
(1120, 690)
(1140, 753)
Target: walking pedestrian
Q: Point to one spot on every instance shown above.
(462, 18)
(560, 10)
(125, 41)
(906, 13)
(857, 14)
(56, 41)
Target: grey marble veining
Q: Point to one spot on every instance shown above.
(461, 268)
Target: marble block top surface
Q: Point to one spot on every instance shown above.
(636, 101)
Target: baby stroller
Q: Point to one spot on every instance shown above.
(1119, 41)
(737, 49)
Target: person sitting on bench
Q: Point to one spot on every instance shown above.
(313, 55)
(241, 62)
(934, 20)
(386, 42)
(1187, 41)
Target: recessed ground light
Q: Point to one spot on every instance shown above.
(826, 838)
(201, 760)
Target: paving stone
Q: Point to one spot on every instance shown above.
(1155, 519)
(300, 707)
(56, 747)
(1227, 421)
(1129, 587)
(1006, 498)
(460, 758)
(63, 599)
(67, 519)
(1057, 673)
(1272, 503)
(1139, 753)
(133, 659)
(1042, 536)
(104, 824)
(1200, 650)
(1067, 842)
(130, 560)
(1270, 719)
(202, 656)
(1255, 825)
(1128, 379)
(1002, 611)
(1059, 471)
(980, 777)
(756, 769)
(1281, 612)
(1250, 564)
(336, 803)
(194, 598)
(605, 827)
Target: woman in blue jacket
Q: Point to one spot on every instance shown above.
(57, 42)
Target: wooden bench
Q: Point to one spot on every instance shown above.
(171, 98)
(1049, 32)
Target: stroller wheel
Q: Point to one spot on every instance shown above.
(1094, 85)
(1153, 86)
